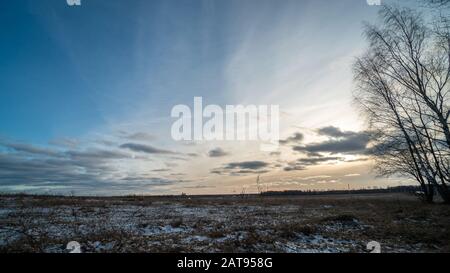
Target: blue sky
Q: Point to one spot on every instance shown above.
(77, 83)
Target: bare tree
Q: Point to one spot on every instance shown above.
(403, 88)
(438, 3)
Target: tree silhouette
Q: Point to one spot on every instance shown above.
(403, 89)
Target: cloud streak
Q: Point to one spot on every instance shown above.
(296, 138)
(136, 147)
(243, 168)
(344, 142)
(217, 152)
(88, 170)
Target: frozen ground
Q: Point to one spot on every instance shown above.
(399, 222)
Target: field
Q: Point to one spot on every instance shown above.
(331, 223)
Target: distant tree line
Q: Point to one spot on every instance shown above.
(397, 189)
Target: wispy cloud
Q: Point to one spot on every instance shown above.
(136, 147)
(296, 138)
(30, 149)
(243, 168)
(138, 136)
(86, 170)
(253, 165)
(217, 152)
(345, 142)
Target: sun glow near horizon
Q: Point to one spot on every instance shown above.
(104, 127)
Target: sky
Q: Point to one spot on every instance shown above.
(86, 94)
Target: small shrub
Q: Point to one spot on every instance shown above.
(216, 234)
(340, 218)
(177, 222)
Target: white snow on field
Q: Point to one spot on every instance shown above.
(164, 230)
(119, 226)
(317, 244)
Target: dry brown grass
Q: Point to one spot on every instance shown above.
(223, 223)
